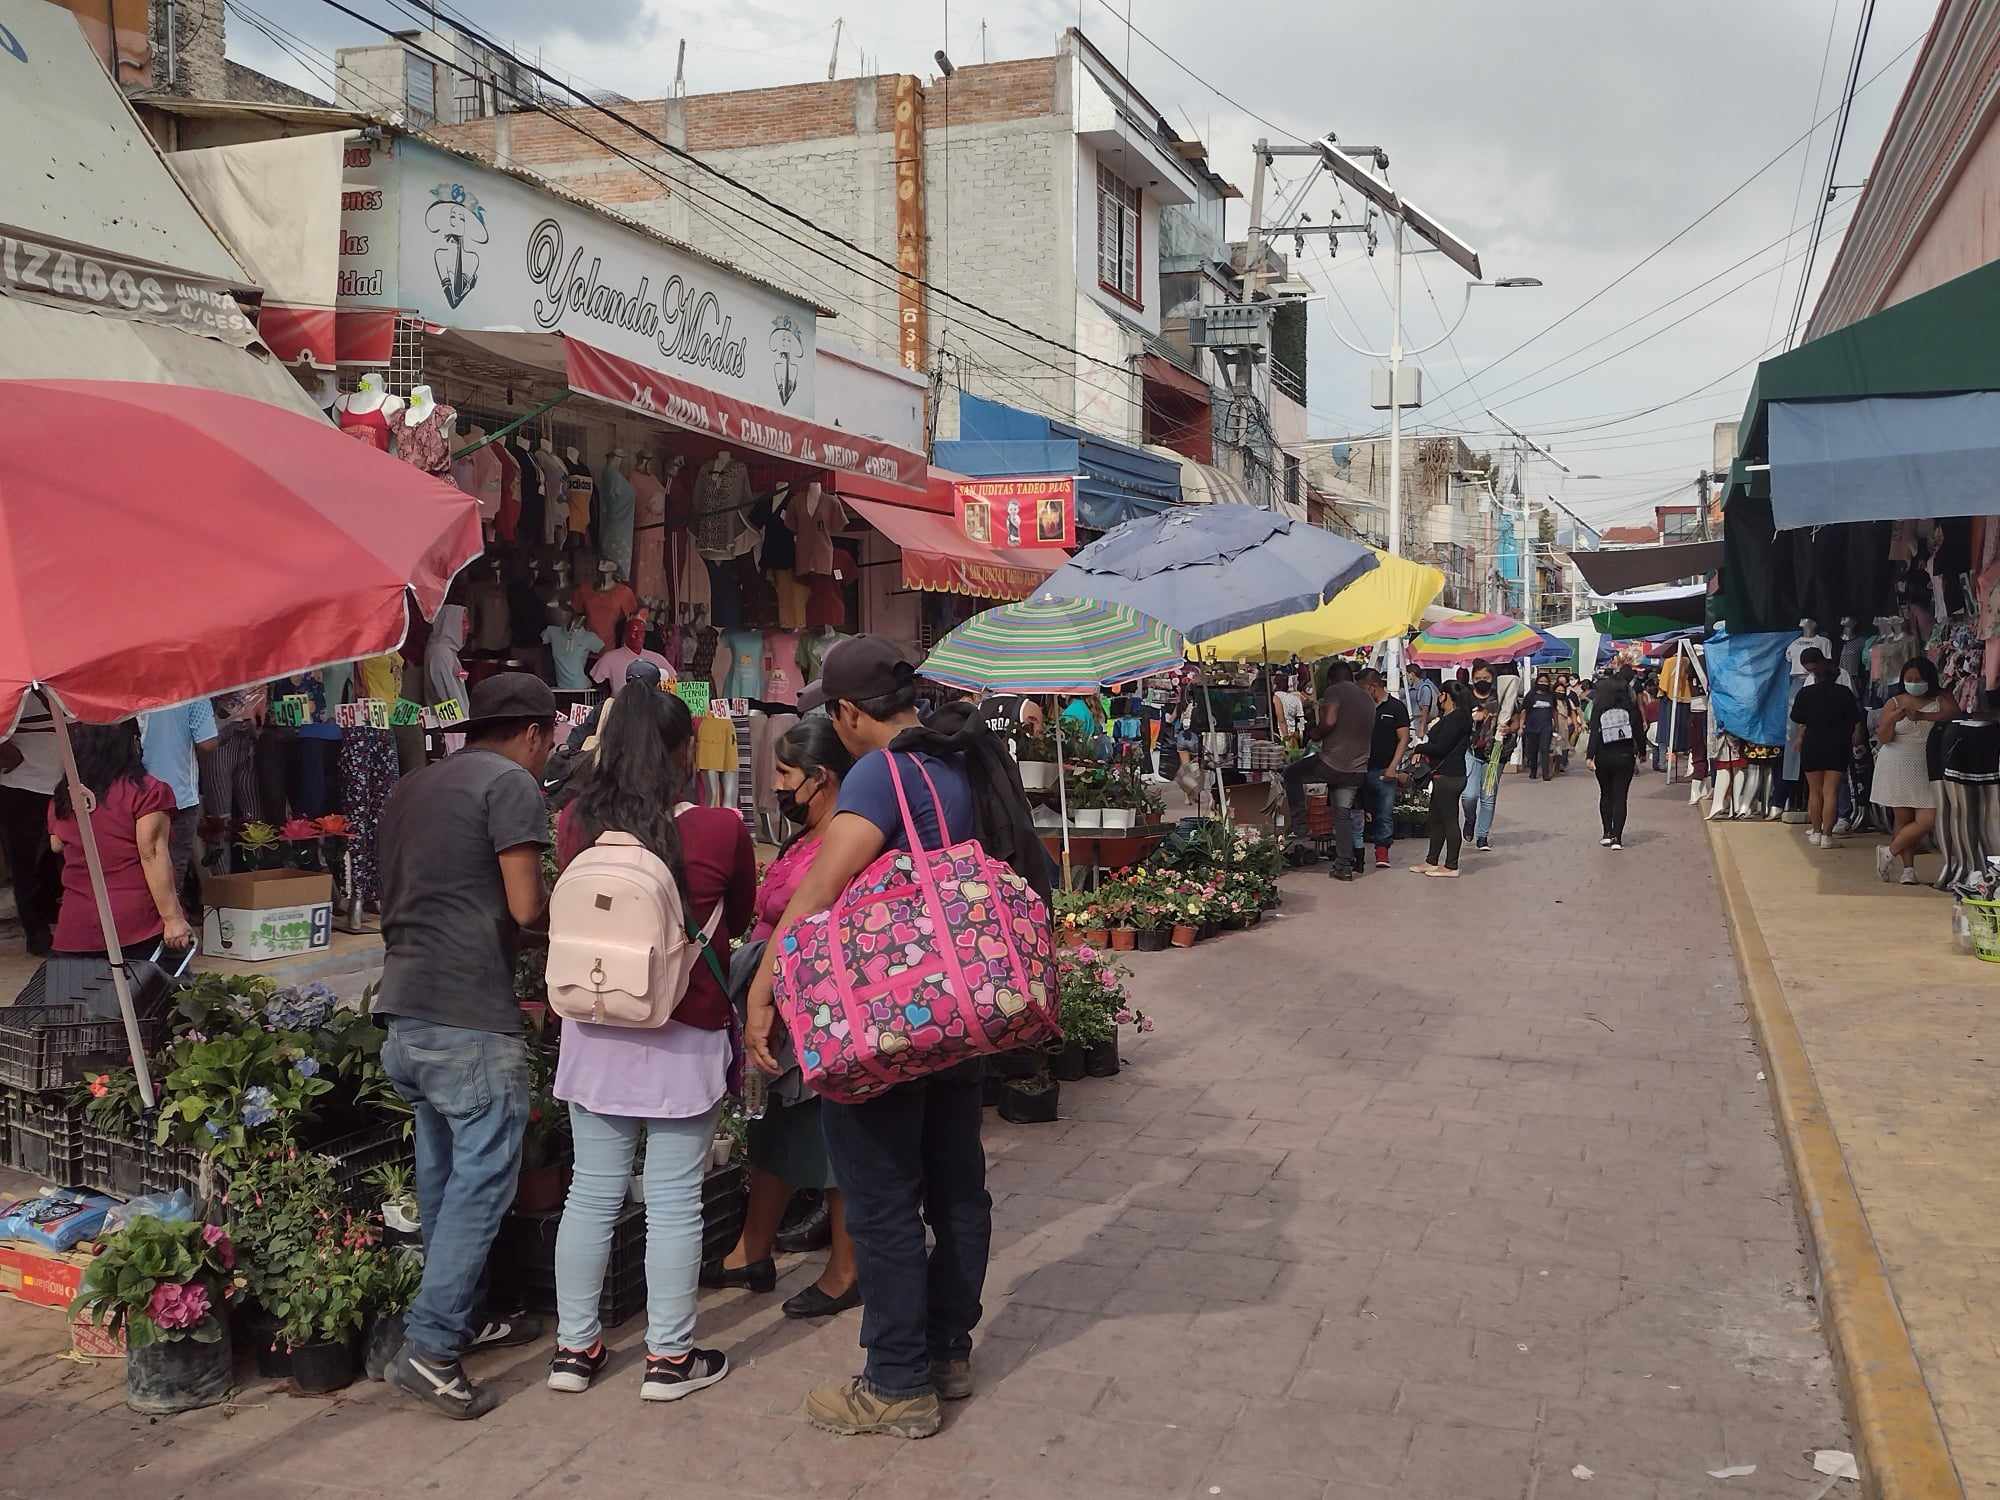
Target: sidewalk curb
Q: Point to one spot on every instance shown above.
(1899, 1443)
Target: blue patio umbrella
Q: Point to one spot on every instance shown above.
(1210, 569)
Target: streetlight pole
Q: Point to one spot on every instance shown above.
(1396, 390)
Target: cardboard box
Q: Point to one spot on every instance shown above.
(266, 914)
(34, 1273)
(85, 1337)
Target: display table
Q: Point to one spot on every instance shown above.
(1094, 852)
(347, 965)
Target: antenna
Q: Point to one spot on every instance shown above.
(834, 61)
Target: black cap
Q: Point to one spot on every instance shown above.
(812, 697)
(509, 695)
(863, 667)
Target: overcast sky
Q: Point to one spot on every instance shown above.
(1563, 141)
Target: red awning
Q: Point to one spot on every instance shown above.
(939, 557)
(326, 337)
(1174, 378)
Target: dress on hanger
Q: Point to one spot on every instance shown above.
(427, 445)
(721, 496)
(555, 496)
(649, 517)
(617, 504)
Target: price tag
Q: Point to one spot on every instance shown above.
(695, 695)
(404, 712)
(292, 711)
(451, 711)
(579, 715)
(349, 715)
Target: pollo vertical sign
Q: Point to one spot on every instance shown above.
(913, 336)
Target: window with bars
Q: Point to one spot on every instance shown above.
(1118, 236)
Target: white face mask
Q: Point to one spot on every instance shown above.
(1917, 689)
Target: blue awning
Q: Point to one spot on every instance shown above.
(1884, 458)
(1116, 482)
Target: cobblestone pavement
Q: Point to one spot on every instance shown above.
(1446, 1190)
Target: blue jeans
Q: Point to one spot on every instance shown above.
(469, 1090)
(1378, 798)
(1477, 801)
(676, 1161)
(905, 1158)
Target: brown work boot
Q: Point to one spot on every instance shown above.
(851, 1409)
(953, 1378)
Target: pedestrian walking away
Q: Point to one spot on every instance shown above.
(1447, 748)
(1830, 718)
(1617, 740)
(1538, 731)
(664, 1082)
(460, 850)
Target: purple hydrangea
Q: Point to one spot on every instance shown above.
(258, 1107)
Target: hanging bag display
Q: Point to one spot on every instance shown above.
(928, 958)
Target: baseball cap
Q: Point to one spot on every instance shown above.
(508, 695)
(812, 697)
(859, 668)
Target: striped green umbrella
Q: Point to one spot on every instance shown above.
(1468, 638)
(1045, 645)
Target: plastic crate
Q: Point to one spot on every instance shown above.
(45, 1138)
(44, 1047)
(356, 1155)
(131, 1168)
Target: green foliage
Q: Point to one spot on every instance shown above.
(180, 1271)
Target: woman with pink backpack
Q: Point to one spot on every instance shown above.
(653, 890)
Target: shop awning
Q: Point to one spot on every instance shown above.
(1174, 378)
(590, 371)
(1883, 458)
(1118, 480)
(1637, 613)
(1609, 571)
(1204, 484)
(939, 557)
(43, 342)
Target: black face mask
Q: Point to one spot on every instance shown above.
(794, 807)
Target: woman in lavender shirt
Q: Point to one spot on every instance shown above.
(666, 1081)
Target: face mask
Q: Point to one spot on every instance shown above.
(795, 802)
(1917, 689)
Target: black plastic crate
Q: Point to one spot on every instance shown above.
(132, 1168)
(523, 1263)
(44, 1047)
(45, 1138)
(356, 1155)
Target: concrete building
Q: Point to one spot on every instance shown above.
(1046, 191)
(432, 78)
(1448, 521)
(173, 47)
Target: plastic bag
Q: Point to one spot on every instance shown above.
(171, 1207)
(58, 1218)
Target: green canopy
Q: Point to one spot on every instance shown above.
(1940, 341)
(1623, 625)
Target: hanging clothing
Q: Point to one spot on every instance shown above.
(371, 427)
(382, 677)
(777, 549)
(649, 536)
(555, 496)
(745, 678)
(604, 608)
(687, 576)
(617, 503)
(721, 498)
(492, 618)
(815, 521)
(609, 670)
(781, 667)
(533, 524)
(368, 770)
(507, 523)
(427, 444)
(580, 490)
(1968, 822)
(444, 673)
(571, 645)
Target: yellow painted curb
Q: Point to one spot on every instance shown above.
(1898, 1441)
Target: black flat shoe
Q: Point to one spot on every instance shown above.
(814, 1303)
(810, 1230)
(758, 1276)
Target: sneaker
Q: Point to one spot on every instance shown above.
(1618, 843)
(1812, 837)
(444, 1388)
(1885, 863)
(1828, 841)
(1844, 826)
(670, 1380)
(1340, 872)
(508, 1332)
(1443, 872)
(1381, 856)
(1484, 846)
(1422, 869)
(1604, 843)
(953, 1378)
(572, 1370)
(849, 1409)
(1909, 876)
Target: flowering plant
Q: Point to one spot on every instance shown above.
(162, 1280)
(333, 826)
(259, 843)
(297, 829)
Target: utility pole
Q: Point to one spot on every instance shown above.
(833, 60)
(1701, 519)
(1254, 252)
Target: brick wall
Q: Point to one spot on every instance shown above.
(770, 117)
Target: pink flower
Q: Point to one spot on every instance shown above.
(213, 1236)
(1145, 1023)
(1123, 1018)
(1086, 954)
(178, 1306)
(1108, 978)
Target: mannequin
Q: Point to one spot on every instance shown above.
(571, 644)
(555, 494)
(649, 525)
(717, 758)
(533, 520)
(609, 669)
(326, 392)
(444, 673)
(1809, 639)
(368, 413)
(424, 439)
(581, 491)
(815, 520)
(606, 604)
(617, 502)
(721, 496)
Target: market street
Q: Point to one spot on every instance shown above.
(1426, 1189)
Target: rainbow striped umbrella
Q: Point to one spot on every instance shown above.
(1046, 645)
(1464, 639)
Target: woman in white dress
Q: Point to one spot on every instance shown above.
(1902, 777)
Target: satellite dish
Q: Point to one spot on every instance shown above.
(1342, 455)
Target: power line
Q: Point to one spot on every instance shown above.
(1805, 160)
(1832, 161)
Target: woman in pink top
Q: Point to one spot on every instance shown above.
(787, 1151)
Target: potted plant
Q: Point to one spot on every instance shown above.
(1116, 904)
(166, 1285)
(276, 1201)
(1150, 915)
(402, 1220)
(1031, 1100)
(1071, 910)
(1123, 793)
(262, 846)
(395, 1274)
(320, 1309)
(545, 1147)
(1095, 930)
(1087, 785)
(1037, 760)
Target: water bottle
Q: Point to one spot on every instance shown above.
(756, 1091)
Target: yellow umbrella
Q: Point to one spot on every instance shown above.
(1381, 603)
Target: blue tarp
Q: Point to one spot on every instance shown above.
(1750, 685)
(1118, 482)
(1884, 458)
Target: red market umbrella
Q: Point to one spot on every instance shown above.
(160, 543)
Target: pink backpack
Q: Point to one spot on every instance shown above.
(929, 957)
(621, 949)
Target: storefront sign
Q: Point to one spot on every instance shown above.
(1024, 513)
(623, 382)
(483, 250)
(911, 243)
(66, 275)
(369, 213)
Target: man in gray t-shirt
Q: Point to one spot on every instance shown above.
(460, 850)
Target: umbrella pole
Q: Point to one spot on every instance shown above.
(1062, 800)
(1221, 792)
(1673, 708)
(80, 800)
